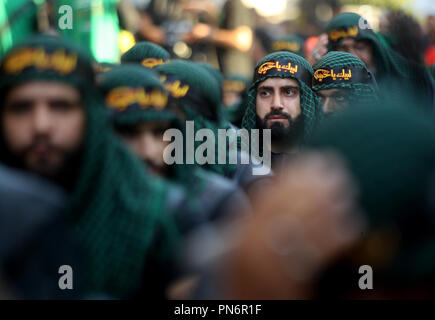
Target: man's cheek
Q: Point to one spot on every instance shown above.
(16, 134)
(261, 109)
(70, 132)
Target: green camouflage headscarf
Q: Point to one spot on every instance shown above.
(393, 72)
(292, 43)
(115, 209)
(147, 54)
(198, 95)
(310, 104)
(360, 84)
(134, 93)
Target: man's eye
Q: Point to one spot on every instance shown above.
(290, 92)
(263, 93)
(128, 131)
(19, 107)
(62, 105)
(340, 98)
(159, 131)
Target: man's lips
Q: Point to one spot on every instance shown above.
(41, 149)
(277, 118)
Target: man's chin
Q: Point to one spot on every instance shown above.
(279, 127)
(277, 122)
(44, 167)
(155, 170)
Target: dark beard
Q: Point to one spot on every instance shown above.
(165, 172)
(285, 136)
(65, 176)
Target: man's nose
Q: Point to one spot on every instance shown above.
(42, 120)
(276, 102)
(327, 106)
(148, 150)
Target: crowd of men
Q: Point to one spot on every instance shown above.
(84, 182)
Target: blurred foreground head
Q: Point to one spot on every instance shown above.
(390, 152)
(363, 198)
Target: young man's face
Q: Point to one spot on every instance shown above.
(362, 49)
(146, 140)
(333, 100)
(43, 125)
(278, 106)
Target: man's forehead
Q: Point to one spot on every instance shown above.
(39, 89)
(330, 92)
(279, 82)
(347, 42)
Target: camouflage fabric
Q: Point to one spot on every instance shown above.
(358, 91)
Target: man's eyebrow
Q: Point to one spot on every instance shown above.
(17, 100)
(282, 87)
(264, 87)
(290, 87)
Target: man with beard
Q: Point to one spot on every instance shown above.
(281, 99)
(342, 80)
(53, 124)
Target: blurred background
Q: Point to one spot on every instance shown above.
(232, 35)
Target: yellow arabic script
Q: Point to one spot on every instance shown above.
(122, 97)
(351, 32)
(271, 65)
(232, 85)
(321, 74)
(37, 57)
(177, 90)
(152, 62)
(286, 45)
